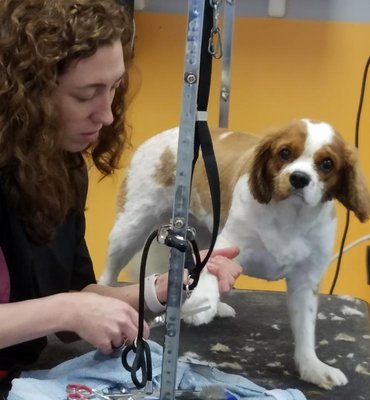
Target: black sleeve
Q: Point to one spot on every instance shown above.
(64, 263)
(83, 272)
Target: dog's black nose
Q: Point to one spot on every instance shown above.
(299, 179)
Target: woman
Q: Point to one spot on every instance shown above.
(62, 85)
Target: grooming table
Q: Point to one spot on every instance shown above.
(258, 343)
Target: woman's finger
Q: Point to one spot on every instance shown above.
(228, 252)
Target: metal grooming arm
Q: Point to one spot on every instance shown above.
(229, 18)
(182, 195)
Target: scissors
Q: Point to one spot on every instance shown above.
(77, 391)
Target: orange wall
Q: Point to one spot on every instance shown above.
(281, 69)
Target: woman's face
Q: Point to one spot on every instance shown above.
(85, 94)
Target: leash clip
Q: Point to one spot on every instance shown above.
(215, 41)
(188, 289)
(166, 235)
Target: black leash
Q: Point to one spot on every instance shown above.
(142, 359)
(203, 140)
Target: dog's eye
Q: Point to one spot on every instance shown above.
(285, 154)
(326, 165)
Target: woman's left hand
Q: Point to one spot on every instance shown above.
(222, 265)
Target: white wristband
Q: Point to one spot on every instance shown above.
(150, 295)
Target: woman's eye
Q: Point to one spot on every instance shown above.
(83, 99)
(84, 95)
(285, 154)
(326, 165)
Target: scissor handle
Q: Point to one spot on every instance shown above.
(78, 391)
(75, 396)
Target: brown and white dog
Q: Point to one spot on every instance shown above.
(277, 194)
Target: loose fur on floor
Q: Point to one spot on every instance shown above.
(278, 195)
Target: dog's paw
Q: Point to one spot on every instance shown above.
(205, 294)
(190, 312)
(225, 311)
(199, 300)
(322, 375)
(215, 308)
(202, 317)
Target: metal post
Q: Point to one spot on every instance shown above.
(229, 16)
(185, 157)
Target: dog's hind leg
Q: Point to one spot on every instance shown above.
(125, 240)
(145, 200)
(129, 233)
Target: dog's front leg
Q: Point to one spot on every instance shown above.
(302, 306)
(206, 294)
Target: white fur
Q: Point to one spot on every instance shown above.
(291, 239)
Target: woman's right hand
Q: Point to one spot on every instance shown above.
(103, 321)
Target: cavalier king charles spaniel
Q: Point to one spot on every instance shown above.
(278, 195)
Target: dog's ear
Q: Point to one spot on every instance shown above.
(353, 191)
(260, 178)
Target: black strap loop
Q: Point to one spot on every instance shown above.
(143, 359)
(210, 164)
(202, 134)
(194, 272)
(203, 140)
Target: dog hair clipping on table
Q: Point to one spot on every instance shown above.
(216, 392)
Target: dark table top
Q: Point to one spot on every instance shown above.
(258, 343)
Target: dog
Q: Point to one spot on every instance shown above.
(278, 195)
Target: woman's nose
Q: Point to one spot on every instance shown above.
(103, 112)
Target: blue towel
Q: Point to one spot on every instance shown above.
(100, 372)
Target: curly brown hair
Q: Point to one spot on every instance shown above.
(39, 40)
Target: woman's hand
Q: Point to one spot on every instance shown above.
(103, 321)
(222, 265)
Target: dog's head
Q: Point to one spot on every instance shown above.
(309, 162)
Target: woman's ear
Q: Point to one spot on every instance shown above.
(260, 180)
(353, 191)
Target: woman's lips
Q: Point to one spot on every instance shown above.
(90, 133)
(90, 137)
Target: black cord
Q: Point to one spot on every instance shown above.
(357, 130)
(142, 360)
(344, 236)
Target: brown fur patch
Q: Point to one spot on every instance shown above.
(332, 178)
(352, 189)
(282, 187)
(122, 194)
(233, 152)
(333, 213)
(165, 172)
